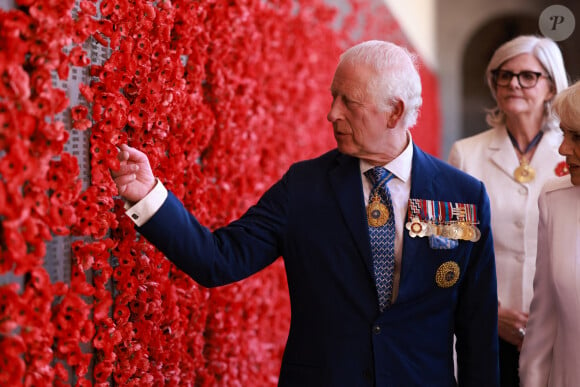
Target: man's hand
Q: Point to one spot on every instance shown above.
(134, 178)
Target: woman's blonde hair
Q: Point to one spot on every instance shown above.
(566, 107)
(547, 52)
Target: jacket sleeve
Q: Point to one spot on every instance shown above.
(536, 355)
(227, 254)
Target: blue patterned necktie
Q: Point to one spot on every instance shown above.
(381, 220)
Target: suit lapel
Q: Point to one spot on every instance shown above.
(423, 173)
(345, 180)
(501, 152)
(547, 149)
(546, 157)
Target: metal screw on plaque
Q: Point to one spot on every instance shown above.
(557, 22)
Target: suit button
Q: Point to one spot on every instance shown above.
(523, 191)
(376, 329)
(519, 224)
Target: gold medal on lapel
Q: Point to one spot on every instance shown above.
(477, 234)
(447, 274)
(445, 231)
(455, 231)
(524, 173)
(467, 231)
(377, 212)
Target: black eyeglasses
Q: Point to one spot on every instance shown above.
(526, 79)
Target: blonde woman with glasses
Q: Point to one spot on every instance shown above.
(514, 158)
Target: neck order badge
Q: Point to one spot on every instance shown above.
(524, 173)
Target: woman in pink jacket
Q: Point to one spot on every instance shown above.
(551, 350)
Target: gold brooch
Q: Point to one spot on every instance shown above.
(447, 274)
(377, 212)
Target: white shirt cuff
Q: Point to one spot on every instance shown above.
(145, 208)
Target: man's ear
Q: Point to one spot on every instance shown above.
(397, 109)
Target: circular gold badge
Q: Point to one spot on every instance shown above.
(455, 231)
(447, 274)
(445, 231)
(524, 173)
(377, 213)
(468, 233)
(477, 234)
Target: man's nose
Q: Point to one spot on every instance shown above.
(330, 116)
(333, 113)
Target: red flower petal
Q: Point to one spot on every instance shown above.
(562, 169)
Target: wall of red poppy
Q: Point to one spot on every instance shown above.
(223, 96)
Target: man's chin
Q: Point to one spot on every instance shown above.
(346, 149)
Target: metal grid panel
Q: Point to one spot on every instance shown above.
(6, 4)
(58, 250)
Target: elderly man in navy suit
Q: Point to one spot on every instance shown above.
(388, 251)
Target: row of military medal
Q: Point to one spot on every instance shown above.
(378, 215)
(456, 230)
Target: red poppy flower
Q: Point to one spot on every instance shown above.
(79, 112)
(88, 7)
(86, 92)
(61, 372)
(18, 82)
(102, 307)
(121, 314)
(562, 169)
(11, 360)
(101, 373)
(83, 382)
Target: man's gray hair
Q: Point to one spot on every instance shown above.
(396, 77)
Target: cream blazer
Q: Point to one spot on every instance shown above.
(490, 157)
(551, 351)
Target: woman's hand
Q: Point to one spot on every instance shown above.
(512, 325)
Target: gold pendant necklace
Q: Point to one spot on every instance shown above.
(377, 212)
(524, 173)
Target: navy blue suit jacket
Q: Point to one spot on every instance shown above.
(315, 218)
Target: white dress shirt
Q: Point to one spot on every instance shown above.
(144, 209)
